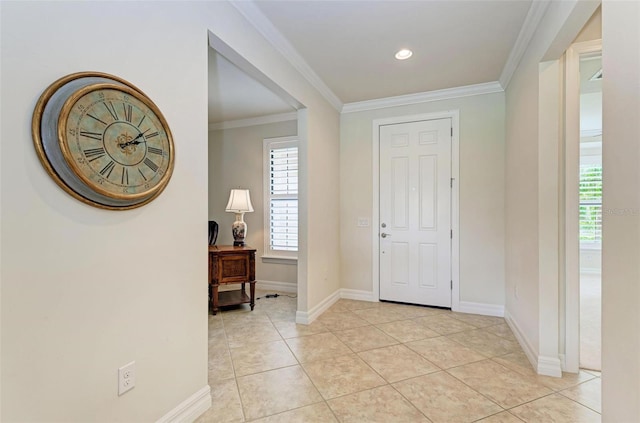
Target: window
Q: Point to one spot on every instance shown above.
(590, 204)
(281, 197)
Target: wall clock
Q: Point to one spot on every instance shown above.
(103, 140)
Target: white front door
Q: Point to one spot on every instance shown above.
(415, 212)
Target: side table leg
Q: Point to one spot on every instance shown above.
(214, 298)
(252, 290)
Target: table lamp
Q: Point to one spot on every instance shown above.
(239, 203)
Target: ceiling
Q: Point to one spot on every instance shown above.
(234, 95)
(349, 47)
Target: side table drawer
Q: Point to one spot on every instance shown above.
(233, 269)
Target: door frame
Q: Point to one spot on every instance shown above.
(454, 115)
(572, 201)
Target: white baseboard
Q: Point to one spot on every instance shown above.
(563, 361)
(531, 354)
(307, 317)
(190, 409)
(356, 294)
(549, 366)
(288, 287)
(481, 308)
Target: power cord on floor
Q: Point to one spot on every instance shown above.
(276, 296)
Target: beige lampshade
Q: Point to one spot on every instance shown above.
(239, 201)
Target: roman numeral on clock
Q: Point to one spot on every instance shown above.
(125, 176)
(151, 165)
(106, 171)
(111, 110)
(154, 150)
(128, 110)
(92, 135)
(151, 135)
(94, 153)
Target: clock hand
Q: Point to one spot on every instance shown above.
(133, 141)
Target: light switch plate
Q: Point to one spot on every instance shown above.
(363, 222)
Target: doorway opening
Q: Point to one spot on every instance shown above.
(245, 107)
(583, 205)
(590, 211)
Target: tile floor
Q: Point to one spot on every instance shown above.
(381, 362)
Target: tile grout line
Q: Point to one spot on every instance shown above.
(309, 377)
(576, 401)
(235, 376)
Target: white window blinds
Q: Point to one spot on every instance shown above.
(591, 203)
(282, 194)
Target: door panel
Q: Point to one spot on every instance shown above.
(400, 199)
(428, 190)
(415, 212)
(428, 256)
(400, 263)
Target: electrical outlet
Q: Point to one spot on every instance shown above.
(126, 377)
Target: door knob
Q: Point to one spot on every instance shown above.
(383, 235)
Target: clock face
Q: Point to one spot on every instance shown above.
(116, 141)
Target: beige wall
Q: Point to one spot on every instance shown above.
(235, 161)
(529, 173)
(85, 291)
(481, 194)
(621, 212)
(322, 190)
(592, 29)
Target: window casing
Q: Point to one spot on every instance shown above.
(281, 197)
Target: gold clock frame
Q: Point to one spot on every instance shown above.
(54, 170)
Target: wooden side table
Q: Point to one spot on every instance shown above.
(227, 265)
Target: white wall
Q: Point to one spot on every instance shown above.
(481, 194)
(235, 161)
(621, 221)
(72, 303)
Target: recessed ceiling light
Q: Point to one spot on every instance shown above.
(404, 54)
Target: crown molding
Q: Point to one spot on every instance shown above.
(424, 97)
(260, 120)
(263, 25)
(531, 22)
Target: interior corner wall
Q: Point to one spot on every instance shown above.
(481, 194)
(236, 161)
(525, 301)
(84, 290)
(621, 212)
(593, 28)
